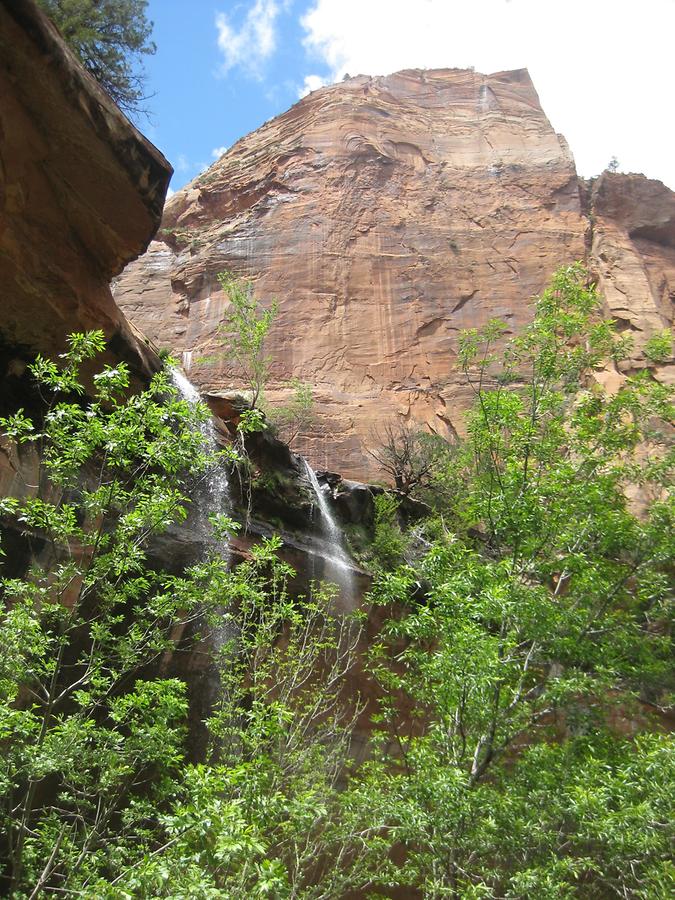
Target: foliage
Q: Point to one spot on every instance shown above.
(263, 816)
(296, 415)
(607, 802)
(388, 542)
(251, 421)
(245, 333)
(528, 626)
(545, 610)
(613, 165)
(659, 347)
(90, 741)
(109, 37)
(587, 817)
(96, 796)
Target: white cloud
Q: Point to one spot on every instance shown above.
(182, 163)
(217, 152)
(603, 69)
(169, 194)
(253, 42)
(312, 83)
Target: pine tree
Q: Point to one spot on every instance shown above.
(109, 37)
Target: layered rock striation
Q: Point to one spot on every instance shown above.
(632, 254)
(81, 194)
(386, 215)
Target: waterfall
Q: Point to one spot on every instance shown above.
(211, 496)
(186, 388)
(339, 566)
(214, 497)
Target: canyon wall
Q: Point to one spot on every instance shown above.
(81, 194)
(632, 254)
(386, 215)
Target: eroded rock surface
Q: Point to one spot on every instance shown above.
(386, 215)
(81, 194)
(633, 255)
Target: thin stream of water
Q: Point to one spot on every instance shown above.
(211, 496)
(214, 496)
(339, 566)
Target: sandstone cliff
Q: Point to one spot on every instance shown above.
(387, 214)
(81, 194)
(633, 255)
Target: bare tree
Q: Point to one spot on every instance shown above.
(407, 454)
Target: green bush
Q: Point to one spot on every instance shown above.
(659, 347)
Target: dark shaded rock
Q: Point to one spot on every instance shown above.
(354, 502)
(645, 208)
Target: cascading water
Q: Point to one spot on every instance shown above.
(339, 566)
(214, 497)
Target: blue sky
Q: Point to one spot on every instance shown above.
(200, 104)
(603, 68)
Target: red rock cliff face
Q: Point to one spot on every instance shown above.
(633, 255)
(386, 215)
(81, 194)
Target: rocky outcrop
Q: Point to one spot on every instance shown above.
(633, 255)
(81, 194)
(387, 214)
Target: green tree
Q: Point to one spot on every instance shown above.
(537, 610)
(110, 38)
(388, 544)
(659, 347)
(264, 816)
(291, 418)
(96, 796)
(91, 741)
(245, 332)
